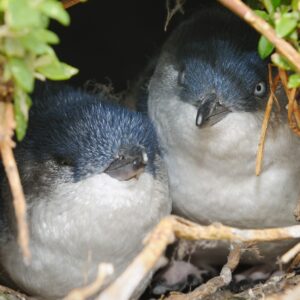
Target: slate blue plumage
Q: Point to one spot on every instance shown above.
(95, 185)
(207, 98)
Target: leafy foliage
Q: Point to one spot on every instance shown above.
(284, 17)
(26, 52)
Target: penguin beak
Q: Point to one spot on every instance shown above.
(129, 163)
(210, 112)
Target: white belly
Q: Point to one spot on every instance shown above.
(243, 200)
(212, 171)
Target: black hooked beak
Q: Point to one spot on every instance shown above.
(129, 163)
(210, 112)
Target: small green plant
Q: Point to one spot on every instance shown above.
(26, 52)
(284, 17)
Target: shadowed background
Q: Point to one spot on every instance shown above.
(112, 41)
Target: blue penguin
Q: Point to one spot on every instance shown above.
(95, 185)
(207, 98)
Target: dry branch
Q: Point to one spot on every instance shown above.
(7, 126)
(293, 110)
(164, 234)
(210, 287)
(261, 145)
(124, 286)
(69, 3)
(275, 285)
(246, 13)
(289, 255)
(178, 6)
(289, 294)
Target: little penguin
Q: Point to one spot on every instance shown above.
(95, 186)
(207, 99)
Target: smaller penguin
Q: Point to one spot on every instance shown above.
(95, 185)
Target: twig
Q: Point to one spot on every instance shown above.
(246, 13)
(124, 286)
(172, 11)
(289, 294)
(69, 3)
(7, 126)
(211, 286)
(261, 144)
(93, 288)
(289, 255)
(293, 111)
(164, 234)
(276, 284)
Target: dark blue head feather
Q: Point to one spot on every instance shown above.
(81, 130)
(217, 53)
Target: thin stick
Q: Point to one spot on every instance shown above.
(104, 271)
(124, 286)
(172, 11)
(289, 255)
(69, 3)
(293, 111)
(296, 113)
(164, 234)
(246, 13)
(11, 170)
(288, 294)
(212, 285)
(262, 139)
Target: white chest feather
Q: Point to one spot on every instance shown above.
(212, 170)
(96, 220)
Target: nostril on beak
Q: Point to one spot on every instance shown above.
(199, 118)
(129, 163)
(141, 161)
(145, 157)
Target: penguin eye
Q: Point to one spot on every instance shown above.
(64, 161)
(181, 77)
(260, 89)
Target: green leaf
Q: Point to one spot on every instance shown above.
(45, 21)
(263, 15)
(276, 3)
(22, 73)
(271, 5)
(296, 5)
(13, 47)
(32, 43)
(281, 62)
(6, 73)
(265, 48)
(55, 70)
(21, 14)
(294, 81)
(47, 36)
(294, 36)
(22, 104)
(285, 25)
(55, 10)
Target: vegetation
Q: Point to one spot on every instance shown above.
(284, 17)
(26, 52)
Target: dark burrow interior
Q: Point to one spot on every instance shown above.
(111, 42)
